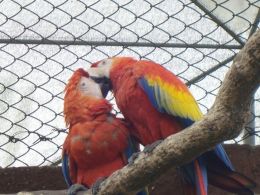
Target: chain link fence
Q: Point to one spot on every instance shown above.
(43, 41)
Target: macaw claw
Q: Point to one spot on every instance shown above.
(133, 157)
(149, 148)
(76, 188)
(96, 185)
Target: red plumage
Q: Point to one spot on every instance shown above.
(97, 140)
(150, 125)
(157, 103)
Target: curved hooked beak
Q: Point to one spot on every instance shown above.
(104, 83)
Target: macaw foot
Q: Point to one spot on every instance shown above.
(96, 185)
(149, 148)
(133, 157)
(76, 188)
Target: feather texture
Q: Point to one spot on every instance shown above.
(173, 100)
(98, 143)
(157, 103)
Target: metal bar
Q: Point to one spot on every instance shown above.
(250, 140)
(251, 125)
(218, 22)
(255, 24)
(56, 163)
(123, 44)
(209, 71)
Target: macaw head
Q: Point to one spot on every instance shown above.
(100, 71)
(80, 82)
(84, 98)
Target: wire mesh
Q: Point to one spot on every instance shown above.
(42, 42)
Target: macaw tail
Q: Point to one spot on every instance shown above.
(143, 192)
(195, 174)
(201, 177)
(187, 188)
(229, 180)
(225, 177)
(215, 168)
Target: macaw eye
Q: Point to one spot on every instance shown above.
(103, 63)
(88, 87)
(83, 85)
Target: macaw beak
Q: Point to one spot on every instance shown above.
(104, 83)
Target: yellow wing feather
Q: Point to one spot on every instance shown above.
(175, 100)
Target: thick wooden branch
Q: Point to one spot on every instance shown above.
(224, 121)
(50, 180)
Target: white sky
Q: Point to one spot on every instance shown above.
(41, 67)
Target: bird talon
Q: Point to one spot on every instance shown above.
(133, 157)
(149, 148)
(73, 189)
(96, 185)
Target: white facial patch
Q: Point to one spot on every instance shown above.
(102, 69)
(89, 88)
(94, 72)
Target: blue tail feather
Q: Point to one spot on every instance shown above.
(222, 155)
(143, 192)
(203, 171)
(192, 176)
(220, 172)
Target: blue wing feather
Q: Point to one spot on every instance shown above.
(186, 122)
(65, 169)
(151, 93)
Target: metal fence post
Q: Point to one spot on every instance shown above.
(249, 131)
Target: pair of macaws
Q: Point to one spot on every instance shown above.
(157, 104)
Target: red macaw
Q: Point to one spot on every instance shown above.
(98, 143)
(157, 103)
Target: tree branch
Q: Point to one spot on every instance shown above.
(224, 121)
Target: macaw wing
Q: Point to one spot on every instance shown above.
(176, 100)
(171, 97)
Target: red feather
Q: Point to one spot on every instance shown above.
(150, 125)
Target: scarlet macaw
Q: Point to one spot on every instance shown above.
(157, 103)
(98, 143)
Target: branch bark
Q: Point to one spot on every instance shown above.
(224, 121)
(50, 181)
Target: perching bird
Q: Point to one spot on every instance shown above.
(157, 103)
(98, 143)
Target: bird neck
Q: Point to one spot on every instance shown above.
(79, 108)
(119, 73)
